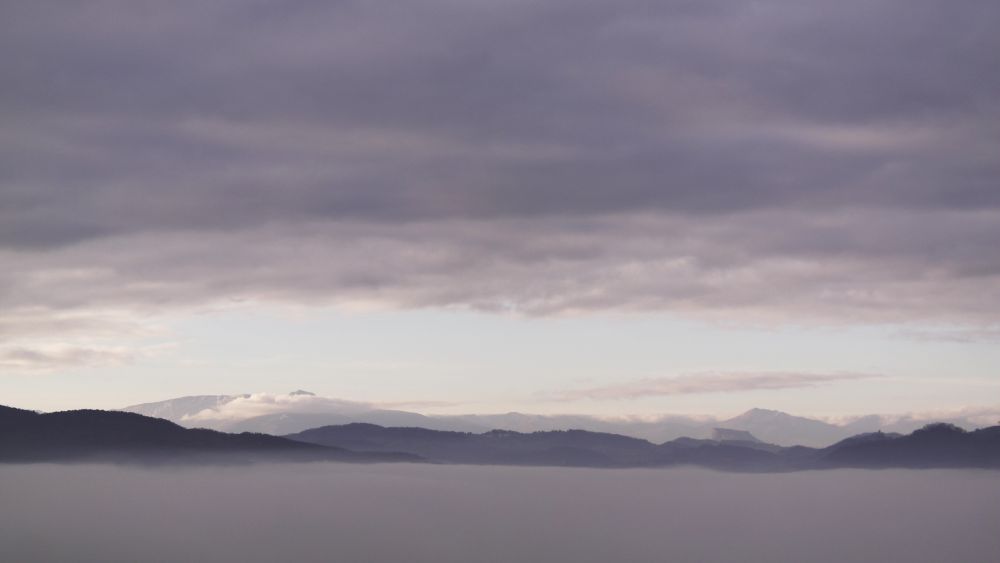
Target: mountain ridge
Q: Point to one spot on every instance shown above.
(115, 436)
(935, 445)
(299, 411)
(97, 435)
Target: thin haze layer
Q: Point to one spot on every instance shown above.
(319, 512)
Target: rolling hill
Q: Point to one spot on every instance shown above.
(94, 435)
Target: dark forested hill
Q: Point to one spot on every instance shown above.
(121, 436)
(92, 435)
(567, 448)
(933, 446)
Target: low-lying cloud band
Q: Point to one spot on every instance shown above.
(708, 383)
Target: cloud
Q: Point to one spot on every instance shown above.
(37, 359)
(707, 383)
(779, 163)
(418, 404)
(954, 335)
(734, 269)
(260, 404)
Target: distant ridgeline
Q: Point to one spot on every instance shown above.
(936, 445)
(94, 435)
(114, 436)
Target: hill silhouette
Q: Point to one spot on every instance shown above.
(558, 448)
(936, 445)
(299, 410)
(95, 435)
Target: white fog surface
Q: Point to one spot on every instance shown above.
(423, 513)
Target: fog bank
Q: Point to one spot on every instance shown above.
(340, 512)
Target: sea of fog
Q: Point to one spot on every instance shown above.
(426, 513)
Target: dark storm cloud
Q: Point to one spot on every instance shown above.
(793, 158)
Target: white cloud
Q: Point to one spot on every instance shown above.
(260, 404)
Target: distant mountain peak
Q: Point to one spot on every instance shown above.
(763, 415)
(764, 412)
(731, 435)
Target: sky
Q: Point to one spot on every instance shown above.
(606, 207)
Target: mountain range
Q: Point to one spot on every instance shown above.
(935, 445)
(95, 435)
(114, 436)
(301, 410)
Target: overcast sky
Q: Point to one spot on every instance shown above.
(613, 207)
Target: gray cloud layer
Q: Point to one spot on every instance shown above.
(791, 160)
(709, 383)
(36, 359)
